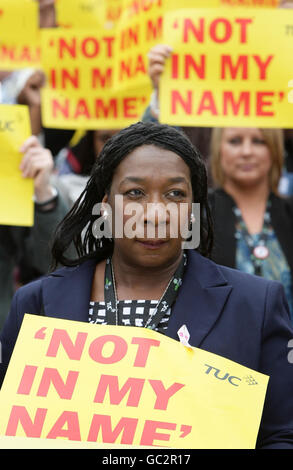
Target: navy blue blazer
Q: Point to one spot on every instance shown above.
(241, 317)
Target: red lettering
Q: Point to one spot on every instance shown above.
(71, 77)
(144, 346)
(149, 433)
(82, 109)
(230, 101)
(20, 415)
(64, 390)
(66, 47)
(154, 30)
(140, 65)
(186, 104)
(119, 351)
(25, 54)
(73, 350)
(214, 30)
(126, 426)
(109, 40)
(104, 110)
(164, 395)
(129, 37)
(240, 66)
(243, 22)
(207, 103)
(132, 67)
(133, 385)
(261, 103)
(62, 108)
(198, 68)
(72, 432)
(103, 80)
(7, 52)
(90, 47)
(53, 78)
(174, 65)
(27, 380)
(198, 32)
(61, 78)
(262, 65)
(129, 108)
(125, 67)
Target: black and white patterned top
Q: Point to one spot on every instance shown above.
(130, 313)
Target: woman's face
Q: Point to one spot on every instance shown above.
(152, 178)
(244, 157)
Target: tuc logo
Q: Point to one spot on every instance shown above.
(232, 379)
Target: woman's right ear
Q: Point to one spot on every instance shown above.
(104, 206)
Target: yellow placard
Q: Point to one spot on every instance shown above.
(249, 3)
(80, 14)
(174, 4)
(19, 34)
(227, 68)
(79, 92)
(16, 192)
(137, 30)
(127, 386)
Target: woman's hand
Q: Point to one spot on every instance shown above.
(157, 57)
(37, 163)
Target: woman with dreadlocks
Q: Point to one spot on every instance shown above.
(241, 317)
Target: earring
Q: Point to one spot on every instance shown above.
(192, 218)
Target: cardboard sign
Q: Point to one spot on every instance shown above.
(79, 92)
(173, 4)
(126, 385)
(249, 3)
(80, 13)
(19, 39)
(138, 30)
(227, 64)
(16, 192)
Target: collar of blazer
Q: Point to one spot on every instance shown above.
(200, 301)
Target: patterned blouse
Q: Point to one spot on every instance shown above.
(130, 313)
(274, 267)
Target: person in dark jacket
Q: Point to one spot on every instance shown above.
(230, 313)
(253, 224)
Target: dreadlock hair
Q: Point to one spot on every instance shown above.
(76, 227)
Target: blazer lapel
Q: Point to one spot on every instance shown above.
(66, 292)
(201, 299)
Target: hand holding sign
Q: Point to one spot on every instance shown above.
(225, 65)
(157, 57)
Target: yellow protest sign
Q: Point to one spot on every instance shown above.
(173, 4)
(80, 14)
(19, 39)
(79, 92)
(249, 3)
(16, 192)
(227, 68)
(126, 385)
(138, 30)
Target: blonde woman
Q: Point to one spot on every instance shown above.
(253, 223)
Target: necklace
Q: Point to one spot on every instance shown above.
(258, 251)
(165, 302)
